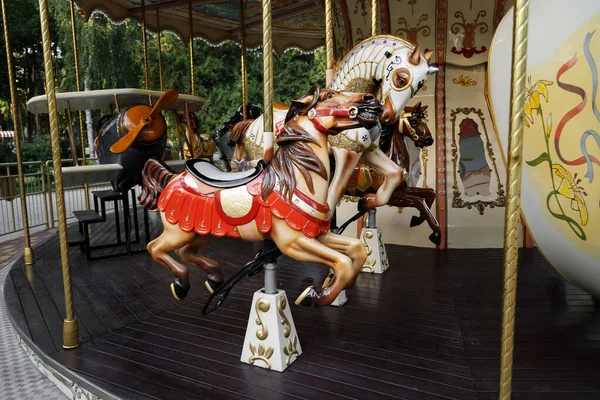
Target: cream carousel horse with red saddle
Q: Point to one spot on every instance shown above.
(285, 202)
(390, 68)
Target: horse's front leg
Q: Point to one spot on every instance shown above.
(345, 162)
(394, 175)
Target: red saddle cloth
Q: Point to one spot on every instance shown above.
(224, 212)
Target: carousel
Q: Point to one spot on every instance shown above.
(368, 240)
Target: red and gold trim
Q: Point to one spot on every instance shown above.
(205, 214)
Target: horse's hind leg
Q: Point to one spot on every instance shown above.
(189, 253)
(351, 247)
(310, 250)
(171, 239)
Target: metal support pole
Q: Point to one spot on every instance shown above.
(78, 87)
(145, 45)
(513, 193)
(372, 222)
(267, 81)
(191, 45)
(14, 109)
(329, 41)
(160, 67)
(244, 60)
(270, 278)
(374, 17)
(70, 326)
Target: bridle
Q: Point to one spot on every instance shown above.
(313, 116)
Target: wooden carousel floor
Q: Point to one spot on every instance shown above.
(426, 329)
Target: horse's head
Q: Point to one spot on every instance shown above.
(333, 111)
(405, 71)
(414, 125)
(191, 117)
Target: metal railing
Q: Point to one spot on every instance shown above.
(40, 195)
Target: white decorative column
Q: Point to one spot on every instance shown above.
(377, 261)
(271, 339)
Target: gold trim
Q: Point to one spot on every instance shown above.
(145, 46)
(457, 201)
(424, 160)
(262, 354)
(210, 289)
(14, 109)
(512, 216)
(368, 235)
(374, 17)
(191, 46)
(369, 265)
(70, 323)
(264, 306)
(244, 67)
(290, 350)
(284, 321)
(303, 295)
(173, 292)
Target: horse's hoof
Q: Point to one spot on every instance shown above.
(416, 221)
(327, 280)
(307, 297)
(179, 290)
(436, 238)
(212, 285)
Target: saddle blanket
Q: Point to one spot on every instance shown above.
(238, 212)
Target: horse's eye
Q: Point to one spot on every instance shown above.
(401, 78)
(329, 95)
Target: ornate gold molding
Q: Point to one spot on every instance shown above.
(261, 354)
(284, 321)
(290, 350)
(367, 235)
(457, 200)
(262, 305)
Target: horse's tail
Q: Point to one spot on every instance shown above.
(155, 177)
(236, 136)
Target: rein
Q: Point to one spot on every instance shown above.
(313, 116)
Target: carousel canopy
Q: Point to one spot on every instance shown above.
(105, 99)
(296, 23)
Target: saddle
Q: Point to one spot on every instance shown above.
(210, 175)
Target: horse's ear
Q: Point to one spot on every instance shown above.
(424, 107)
(304, 103)
(427, 54)
(418, 106)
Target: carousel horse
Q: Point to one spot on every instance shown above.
(202, 145)
(388, 67)
(284, 202)
(365, 180)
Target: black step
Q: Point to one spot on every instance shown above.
(107, 195)
(88, 216)
(75, 238)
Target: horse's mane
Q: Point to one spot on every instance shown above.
(294, 151)
(236, 136)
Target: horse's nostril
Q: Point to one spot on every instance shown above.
(368, 97)
(429, 141)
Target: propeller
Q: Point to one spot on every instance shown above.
(121, 145)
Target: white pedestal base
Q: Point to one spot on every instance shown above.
(377, 261)
(271, 339)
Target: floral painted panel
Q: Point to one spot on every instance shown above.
(415, 21)
(470, 30)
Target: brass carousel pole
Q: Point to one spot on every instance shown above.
(513, 193)
(145, 44)
(329, 41)
(374, 17)
(160, 67)
(14, 110)
(70, 326)
(244, 60)
(78, 87)
(191, 45)
(268, 80)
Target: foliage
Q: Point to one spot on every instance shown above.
(111, 56)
